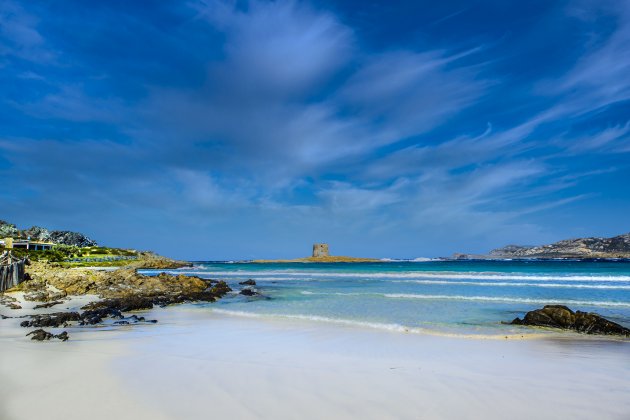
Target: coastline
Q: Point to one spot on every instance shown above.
(197, 361)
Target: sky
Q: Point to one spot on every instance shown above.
(214, 130)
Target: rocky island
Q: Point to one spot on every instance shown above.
(617, 247)
(321, 255)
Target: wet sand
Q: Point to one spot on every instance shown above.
(198, 364)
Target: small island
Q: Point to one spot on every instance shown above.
(321, 254)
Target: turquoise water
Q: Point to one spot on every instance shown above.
(461, 297)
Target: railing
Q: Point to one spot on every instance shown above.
(11, 271)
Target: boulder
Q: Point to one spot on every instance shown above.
(249, 282)
(248, 292)
(559, 316)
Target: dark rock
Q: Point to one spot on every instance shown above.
(51, 320)
(63, 336)
(13, 306)
(131, 303)
(48, 305)
(121, 322)
(248, 292)
(41, 335)
(558, 316)
(249, 282)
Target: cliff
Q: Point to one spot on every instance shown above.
(615, 247)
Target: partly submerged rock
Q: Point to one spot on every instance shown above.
(249, 282)
(559, 316)
(248, 291)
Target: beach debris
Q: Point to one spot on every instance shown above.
(48, 305)
(41, 335)
(559, 316)
(249, 282)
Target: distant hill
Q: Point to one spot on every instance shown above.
(615, 247)
(37, 233)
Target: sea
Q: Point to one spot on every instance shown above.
(436, 296)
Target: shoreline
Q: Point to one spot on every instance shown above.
(76, 302)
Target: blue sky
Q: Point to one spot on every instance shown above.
(220, 130)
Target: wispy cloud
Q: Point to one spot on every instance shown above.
(281, 117)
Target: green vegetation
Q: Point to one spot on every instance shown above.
(73, 256)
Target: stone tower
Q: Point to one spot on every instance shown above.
(320, 250)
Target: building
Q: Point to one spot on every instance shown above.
(320, 250)
(10, 243)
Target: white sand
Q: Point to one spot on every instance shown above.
(196, 364)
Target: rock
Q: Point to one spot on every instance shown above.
(130, 303)
(56, 319)
(14, 306)
(249, 282)
(37, 233)
(121, 323)
(48, 305)
(44, 296)
(65, 237)
(41, 335)
(36, 296)
(63, 336)
(558, 316)
(7, 230)
(248, 292)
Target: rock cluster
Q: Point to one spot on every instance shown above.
(41, 335)
(121, 283)
(558, 316)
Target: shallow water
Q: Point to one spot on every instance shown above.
(448, 297)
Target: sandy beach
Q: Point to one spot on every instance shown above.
(196, 363)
